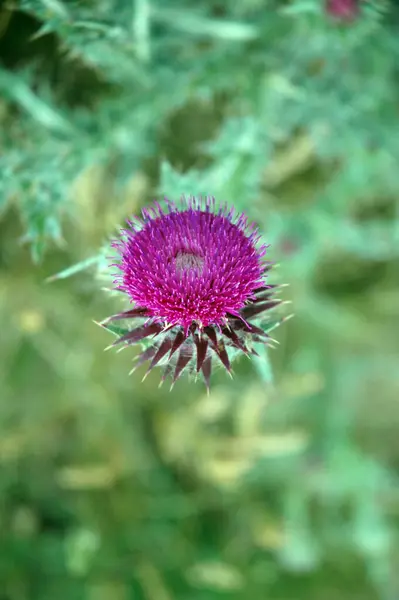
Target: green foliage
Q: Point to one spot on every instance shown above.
(282, 484)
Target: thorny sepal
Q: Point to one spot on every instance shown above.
(195, 353)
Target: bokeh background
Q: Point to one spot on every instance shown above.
(283, 483)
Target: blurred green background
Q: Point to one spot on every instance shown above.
(283, 483)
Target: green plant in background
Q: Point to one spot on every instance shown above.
(282, 486)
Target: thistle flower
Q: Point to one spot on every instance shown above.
(343, 10)
(196, 276)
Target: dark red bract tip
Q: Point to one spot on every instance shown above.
(196, 274)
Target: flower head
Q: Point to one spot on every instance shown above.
(195, 275)
(343, 10)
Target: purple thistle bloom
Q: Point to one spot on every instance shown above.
(196, 275)
(343, 10)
